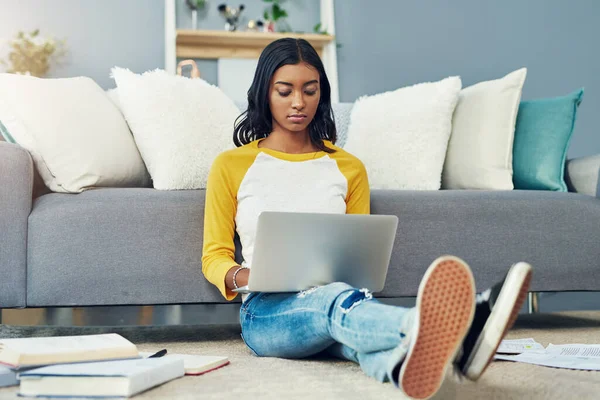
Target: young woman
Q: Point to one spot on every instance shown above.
(286, 160)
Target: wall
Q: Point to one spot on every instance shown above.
(387, 44)
(99, 34)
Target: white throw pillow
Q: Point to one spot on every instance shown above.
(113, 95)
(481, 146)
(402, 136)
(180, 125)
(77, 137)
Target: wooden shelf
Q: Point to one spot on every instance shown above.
(207, 44)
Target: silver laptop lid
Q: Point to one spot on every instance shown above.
(296, 251)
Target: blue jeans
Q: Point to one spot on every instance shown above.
(345, 322)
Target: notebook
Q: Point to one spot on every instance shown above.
(123, 378)
(196, 364)
(8, 377)
(27, 352)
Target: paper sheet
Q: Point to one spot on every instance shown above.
(568, 356)
(518, 346)
(194, 363)
(580, 350)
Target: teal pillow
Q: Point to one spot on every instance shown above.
(5, 134)
(542, 135)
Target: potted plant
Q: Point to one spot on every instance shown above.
(195, 5)
(275, 16)
(32, 54)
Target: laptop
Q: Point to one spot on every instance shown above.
(298, 251)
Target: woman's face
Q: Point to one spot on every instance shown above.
(294, 95)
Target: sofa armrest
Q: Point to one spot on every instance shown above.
(16, 185)
(583, 175)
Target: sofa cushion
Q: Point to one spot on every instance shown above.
(481, 145)
(5, 135)
(401, 136)
(180, 125)
(77, 137)
(143, 246)
(542, 135)
(582, 175)
(557, 233)
(342, 113)
(117, 246)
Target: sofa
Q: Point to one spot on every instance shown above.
(141, 246)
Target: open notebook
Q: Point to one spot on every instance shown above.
(28, 352)
(195, 364)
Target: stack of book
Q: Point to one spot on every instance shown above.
(92, 366)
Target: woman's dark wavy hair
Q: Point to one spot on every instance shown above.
(257, 121)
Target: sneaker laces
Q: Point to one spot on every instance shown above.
(483, 296)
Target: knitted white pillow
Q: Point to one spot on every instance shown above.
(402, 136)
(179, 124)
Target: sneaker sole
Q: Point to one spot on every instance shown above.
(445, 307)
(502, 318)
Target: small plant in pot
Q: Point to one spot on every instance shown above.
(195, 5)
(275, 17)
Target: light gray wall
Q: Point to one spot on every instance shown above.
(387, 44)
(99, 34)
(303, 16)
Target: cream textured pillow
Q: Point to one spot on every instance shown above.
(402, 136)
(481, 146)
(180, 125)
(77, 137)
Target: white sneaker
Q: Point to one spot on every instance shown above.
(496, 311)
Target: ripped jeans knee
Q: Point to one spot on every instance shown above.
(336, 291)
(330, 290)
(355, 298)
(306, 292)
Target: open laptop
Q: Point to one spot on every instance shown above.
(297, 251)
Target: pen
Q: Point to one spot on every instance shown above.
(159, 354)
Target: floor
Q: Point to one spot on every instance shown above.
(252, 377)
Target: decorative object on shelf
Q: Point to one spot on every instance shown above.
(194, 72)
(255, 25)
(269, 26)
(275, 17)
(195, 5)
(318, 29)
(231, 15)
(31, 54)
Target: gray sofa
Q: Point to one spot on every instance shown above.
(140, 246)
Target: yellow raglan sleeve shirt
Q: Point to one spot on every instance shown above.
(218, 250)
(253, 176)
(358, 198)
